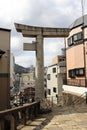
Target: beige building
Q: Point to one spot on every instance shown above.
(76, 53)
(4, 68)
(58, 59)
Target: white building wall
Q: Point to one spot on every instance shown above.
(52, 83)
(12, 72)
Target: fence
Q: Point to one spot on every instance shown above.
(9, 119)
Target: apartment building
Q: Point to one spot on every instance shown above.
(56, 73)
(76, 53)
(4, 68)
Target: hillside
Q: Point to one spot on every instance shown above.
(20, 69)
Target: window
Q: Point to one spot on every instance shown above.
(49, 92)
(54, 90)
(56, 76)
(45, 80)
(80, 36)
(48, 77)
(74, 38)
(54, 70)
(76, 72)
(70, 41)
(72, 73)
(45, 85)
(80, 72)
(77, 36)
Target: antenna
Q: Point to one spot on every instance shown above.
(83, 10)
(83, 5)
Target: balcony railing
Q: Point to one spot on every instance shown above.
(10, 118)
(75, 82)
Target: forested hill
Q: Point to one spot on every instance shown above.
(20, 69)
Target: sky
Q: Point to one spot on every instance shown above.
(49, 13)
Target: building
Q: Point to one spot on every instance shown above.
(12, 73)
(27, 85)
(58, 59)
(27, 80)
(45, 81)
(76, 53)
(4, 68)
(56, 73)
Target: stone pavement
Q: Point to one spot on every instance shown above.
(67, 118)
(61, 118)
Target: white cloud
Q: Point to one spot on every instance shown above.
(26, 60)
(13, 9)
(16, 46)
(52, 13)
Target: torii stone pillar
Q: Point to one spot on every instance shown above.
(39, 67)
(39, 33)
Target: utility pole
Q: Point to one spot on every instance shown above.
(84, 51)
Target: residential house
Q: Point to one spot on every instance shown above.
(4, 68)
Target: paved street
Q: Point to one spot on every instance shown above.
(67, 118)
(62, 118)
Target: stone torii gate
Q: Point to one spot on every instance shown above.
(39, 33)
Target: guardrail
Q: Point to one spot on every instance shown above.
(9, 119)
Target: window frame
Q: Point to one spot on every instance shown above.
(71, 73)
(78, 73)
(54, 89)
(72, 39)
(48, 76)
(54, 70)
(49, 91)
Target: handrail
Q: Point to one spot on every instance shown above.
(27, 110)
(16, 109)
(76, 100)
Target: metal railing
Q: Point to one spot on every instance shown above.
(10, 118)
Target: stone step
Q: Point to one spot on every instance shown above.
(36, 124)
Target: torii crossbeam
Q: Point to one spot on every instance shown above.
(39, 33)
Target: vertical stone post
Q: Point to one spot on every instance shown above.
(39, 92)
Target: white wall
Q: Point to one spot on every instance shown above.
(74, 89)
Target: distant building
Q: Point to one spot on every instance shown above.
(27, 80)
(27, 85)
(45, 81)
(17, 83)
(58, 59)
(12, 73)
(56, 73)
(4, 68)
(76, 53)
